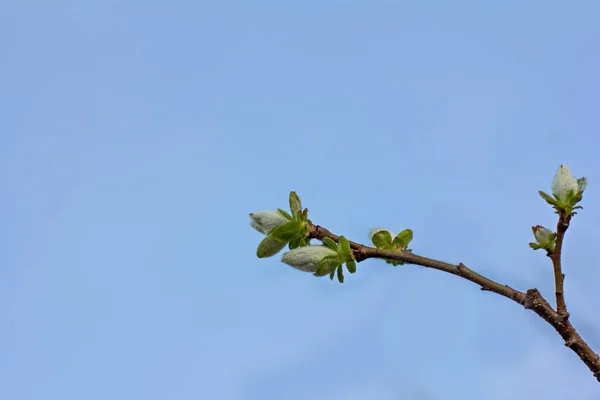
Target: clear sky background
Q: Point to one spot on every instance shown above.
(136, 136)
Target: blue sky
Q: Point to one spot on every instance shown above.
(137, 136)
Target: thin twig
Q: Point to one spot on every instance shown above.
(532, 299)
(559, 277)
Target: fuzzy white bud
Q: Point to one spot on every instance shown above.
(542, 235)
(564, 182)
(266, 221)
(306, 258)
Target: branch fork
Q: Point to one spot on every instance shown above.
(295, 230)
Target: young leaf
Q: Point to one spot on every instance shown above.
(548, 199)
(344, 250)
(403, 238)
(351, 265)
(581, 184)
(332, 274)
(330, 243)
(269, 247)
(304, 216)
(328, 264)
(285, 213)
(340, 275)
(295, 203)
(382, 240)
(287, 231)
(295, 243)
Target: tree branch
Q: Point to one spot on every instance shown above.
(532, 299)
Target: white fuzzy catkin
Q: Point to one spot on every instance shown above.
(563, 182)
(543, 235)
(306, 258)
(266, 221)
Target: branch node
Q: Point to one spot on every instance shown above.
(359, 255)
(563, 316)
(570, 342)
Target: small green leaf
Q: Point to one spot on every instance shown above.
(546, 197)
(328, 264)
(332, 274)
(340, 274)
(403, 238)
(344, 249)
(269, 247)
(295, 203)
(295, 243)
(287, 231)
(382, 240)
(330, 243)
(285, 214)
(351, 265)
(304, 216)
(581, 184)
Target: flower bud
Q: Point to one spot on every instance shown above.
(545, 238)
(564, 182)
(266, 221)
(307, 258)
(542, 235)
